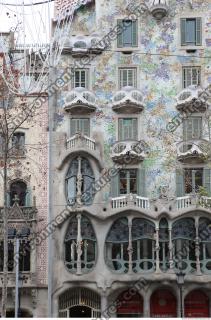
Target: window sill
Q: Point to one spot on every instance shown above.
(191, 47)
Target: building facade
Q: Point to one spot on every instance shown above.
(131, 161)
(27, 193)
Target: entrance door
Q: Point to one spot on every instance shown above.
(80, 312)
(163, 304)
(196, 305)
(130, 308)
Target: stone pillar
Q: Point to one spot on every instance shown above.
(79, 182)
(104, 305)
(157, 248)
(79, 240)
(130, 247)
(197, 247)
(146, 299)
(171, 262)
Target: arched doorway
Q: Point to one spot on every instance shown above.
(79, 303)
(163, 304)
(80, 312)
(129, 306)
(196, 304)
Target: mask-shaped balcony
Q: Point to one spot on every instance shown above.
(189, 101)
(128, 100)
(159, 9)
(80, 101)
(196, 150)
(131, 150)
(80, 46)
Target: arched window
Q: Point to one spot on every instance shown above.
(131, 246)
(205, 245)
(164, 244)
(80, 245)
(117, 246)
(18, 190)
(129, 308)
(183, 237)
(143, 245)
(196, 305)
(163, 304)
(18, 143)
(79, 180)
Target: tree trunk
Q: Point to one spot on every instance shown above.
(5, 224)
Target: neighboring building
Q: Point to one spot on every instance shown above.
(27, 202)
(136, 226)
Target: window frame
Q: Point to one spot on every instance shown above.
(119, 135)
(188, 46)
(86, 70)
(120, 43)
(193, 179)
(184, 77)
(78, 119)
(120, 76)
(128, 179)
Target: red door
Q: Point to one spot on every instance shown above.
(163, 304)
(196, 304)
(129, 305)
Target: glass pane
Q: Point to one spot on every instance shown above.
(127, 34)
(190, 31)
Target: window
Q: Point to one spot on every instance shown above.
(128, 129)
(191, 76)
(80, 125)
(128, 181)
(127, 77)
(10, 256)
(18, 142)
(192, 128)
(191, 32)
(80, 227)
(141, 242)
(24, 256)
(193, 179)
(79, 180)
(129, 35)
(183, 238)
(80, 78)
(18, 189)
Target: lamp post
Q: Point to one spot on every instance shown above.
(180, 281)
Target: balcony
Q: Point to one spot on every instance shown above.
(128, 100)
(189, 101)
(159, 9)
(80, 101)
(197, 150)
(80, 141)
(130, 200)
(20, 214)
(132, 150)
(80, 46)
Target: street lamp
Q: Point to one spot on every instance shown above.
(180, 281)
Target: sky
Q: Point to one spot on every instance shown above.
(30, 21)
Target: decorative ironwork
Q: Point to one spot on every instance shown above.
(184, 228)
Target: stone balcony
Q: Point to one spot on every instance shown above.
(159, 9)
(135, 202)
(80, 46)
(197, 150)
(132, 150)
(130, 200)
(80, 101)
(80, 141)
(189, 100)
(128, 100)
